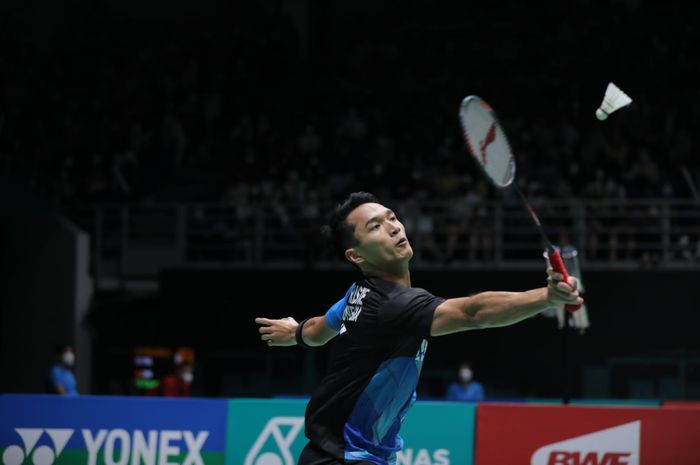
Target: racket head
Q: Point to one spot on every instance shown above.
(487, 141)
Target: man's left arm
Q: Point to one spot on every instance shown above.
(495, 309)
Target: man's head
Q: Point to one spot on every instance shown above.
(465, 373)
(186, 372)
(65, 355)
(368, 234)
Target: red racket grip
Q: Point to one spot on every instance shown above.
(558, 266)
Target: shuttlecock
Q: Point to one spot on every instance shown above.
(614, 99)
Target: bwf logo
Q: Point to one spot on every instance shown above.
(612, 446)
(42, 455)
(283, 440)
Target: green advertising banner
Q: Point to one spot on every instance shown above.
(438, 433)
(264, 431)
(271, 432)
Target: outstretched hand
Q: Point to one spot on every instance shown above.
(278, 333)
(560, 292)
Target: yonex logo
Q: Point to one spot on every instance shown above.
(612, 446)
(42, 455)
(273, 429)
(110, 447)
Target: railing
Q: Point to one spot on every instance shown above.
(134, 242)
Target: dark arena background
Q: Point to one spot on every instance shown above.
(166, 166)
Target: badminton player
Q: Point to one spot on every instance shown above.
(382, 326)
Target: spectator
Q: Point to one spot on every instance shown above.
(467, 389)
(61, 377)
(178, 384)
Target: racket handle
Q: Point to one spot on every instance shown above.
(558, 266)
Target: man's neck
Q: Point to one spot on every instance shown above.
(402, 276)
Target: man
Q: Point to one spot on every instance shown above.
(178, 384)
(61, 377)
(467, 389)
(382, 325)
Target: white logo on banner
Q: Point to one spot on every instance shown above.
(118, 446)
(612, 446)
(273, 429)
(409, 456)
(42, 455)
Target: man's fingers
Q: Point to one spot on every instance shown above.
(564, 287)
(554, 275)
(572, 285)
(573, 282)
(557, 283)
(263, 321)
(265, 329)
(568, 297)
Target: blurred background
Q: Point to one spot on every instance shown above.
(165, 168)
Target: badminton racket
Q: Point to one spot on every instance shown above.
(489, 147)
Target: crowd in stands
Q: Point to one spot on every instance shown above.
(253, 116)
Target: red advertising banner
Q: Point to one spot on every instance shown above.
(681, 404)
(583, 435)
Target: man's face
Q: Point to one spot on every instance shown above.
(465, 373)
(381, 236)
(186, 374)
(68, 357)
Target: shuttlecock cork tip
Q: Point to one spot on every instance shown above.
(614, 99)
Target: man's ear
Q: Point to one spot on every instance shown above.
(353, 256)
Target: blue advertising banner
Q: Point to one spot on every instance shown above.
(102, 430)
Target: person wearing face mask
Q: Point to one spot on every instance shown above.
(466, 389)
(61, 377)
(178, 384)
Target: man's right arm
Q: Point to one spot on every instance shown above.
(316, 330)
(280, 333)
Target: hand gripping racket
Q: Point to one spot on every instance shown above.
(488, 145)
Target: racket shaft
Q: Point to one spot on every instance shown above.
(558, 266)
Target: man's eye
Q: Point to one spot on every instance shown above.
(376, 226)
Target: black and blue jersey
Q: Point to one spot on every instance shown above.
(357, 410)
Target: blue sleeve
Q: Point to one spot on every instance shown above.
(55, 376)
(334, 315)
(479, 391)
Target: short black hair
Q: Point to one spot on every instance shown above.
(337, 232)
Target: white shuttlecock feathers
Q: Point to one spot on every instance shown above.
(614, 99)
